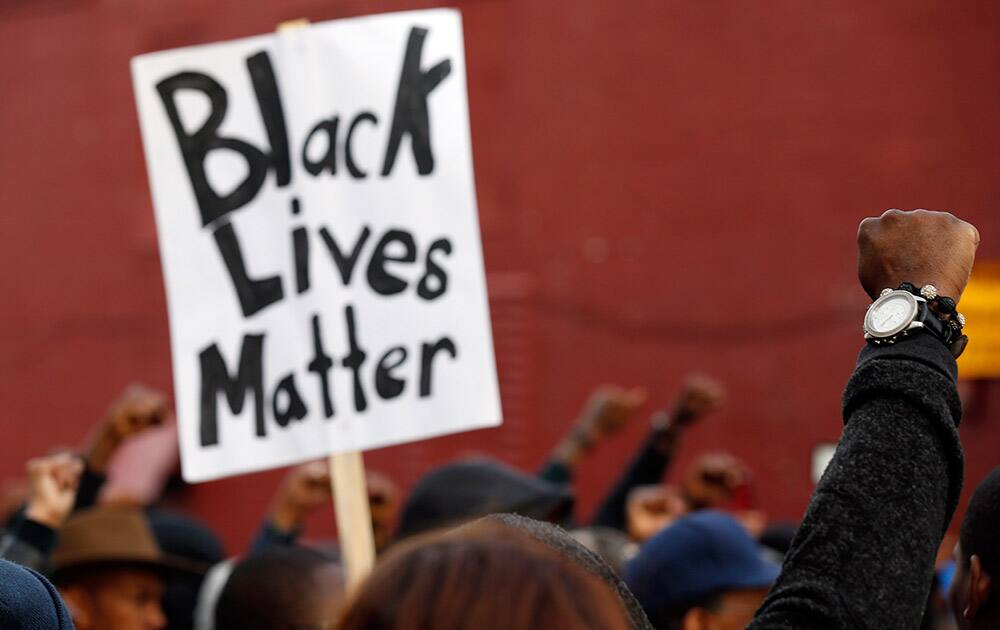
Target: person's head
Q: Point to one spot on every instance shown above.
(703, 572)
(115, 597)
(289, 588)
(569, 547)
(468, 489)
(490, 577)
(383, 501)
(975, 592)
(181, 536)
(110, 570)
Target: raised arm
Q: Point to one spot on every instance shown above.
(698, 396)
(136, 409)
(607, 410)
(52, 485)
(304, 489)
(864, 554)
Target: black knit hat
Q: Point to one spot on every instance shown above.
(471, 488)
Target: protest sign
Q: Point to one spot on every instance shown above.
(318, 230)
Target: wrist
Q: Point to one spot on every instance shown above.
(661, 421)
(922, 349)
(671, 421)
(569, 450)
(898, 313)
(286, 518)
(98, 453)
(666, 430)
(46, 515)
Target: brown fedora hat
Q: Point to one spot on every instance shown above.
(113, 536)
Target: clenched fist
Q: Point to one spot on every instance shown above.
(135, 410)
(608, 409)
(304, 489)
(52, 483)
(920, 247)
(699, 395)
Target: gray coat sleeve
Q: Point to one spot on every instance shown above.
(864, 554)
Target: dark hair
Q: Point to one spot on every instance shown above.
(567, 546)
(981, 522)
(490, 577)
(273, 589)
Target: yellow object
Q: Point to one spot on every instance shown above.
(981, 306)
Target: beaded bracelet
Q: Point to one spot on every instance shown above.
(944, 308)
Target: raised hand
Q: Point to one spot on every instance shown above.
(136, 409)
(713, 479)
(699, 395)
(304, 489)
(651, 508)
(607, 410)
(52, 483)
(920, 247)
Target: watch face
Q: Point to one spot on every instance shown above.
(890, 314)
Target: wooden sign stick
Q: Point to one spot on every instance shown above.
(350, 489)
(354, 517)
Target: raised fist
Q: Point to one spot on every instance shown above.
(137, 408)
(52, 483)
(920, 247)
(713, 479)
(304, 489)
(699, 395)
(649, 509)
(608, 409)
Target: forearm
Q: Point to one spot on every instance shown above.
(647, 467)
(281, 528)
(562, 462)
(89, 489)
(864, 554)
(555, 471)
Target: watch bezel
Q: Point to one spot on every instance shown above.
(892, 332)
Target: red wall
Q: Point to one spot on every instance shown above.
(663, 186)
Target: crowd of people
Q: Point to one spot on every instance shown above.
(479, 545)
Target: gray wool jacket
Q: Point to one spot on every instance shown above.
(864, 554)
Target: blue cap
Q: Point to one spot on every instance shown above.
(29, 602)
(701, 554)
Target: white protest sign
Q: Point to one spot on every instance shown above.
(320, 243)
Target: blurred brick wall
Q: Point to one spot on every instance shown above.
(663, 186)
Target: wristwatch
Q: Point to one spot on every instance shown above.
(896, 314)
